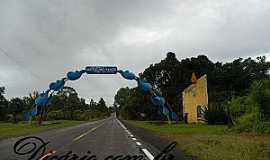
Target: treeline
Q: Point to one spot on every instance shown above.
(225, 82)
(66, 105)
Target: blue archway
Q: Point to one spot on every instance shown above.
(44, 98)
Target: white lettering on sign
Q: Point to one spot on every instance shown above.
(101, 70)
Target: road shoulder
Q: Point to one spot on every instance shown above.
(155, 142)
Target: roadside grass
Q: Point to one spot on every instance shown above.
(212, 142)
(8, 130)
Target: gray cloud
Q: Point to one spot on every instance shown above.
(43, 40)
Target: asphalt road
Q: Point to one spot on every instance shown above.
(100, 138)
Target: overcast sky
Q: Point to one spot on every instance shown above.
(42, 40)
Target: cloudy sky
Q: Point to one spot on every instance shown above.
(42, 40)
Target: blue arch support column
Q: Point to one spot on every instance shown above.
(44, 98)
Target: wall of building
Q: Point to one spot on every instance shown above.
(193, 96)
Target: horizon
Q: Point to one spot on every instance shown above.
(131, 35)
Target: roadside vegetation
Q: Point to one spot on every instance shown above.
(8, 130)
(238, 91)
(211, 142)
(66, 105)
(67, 109)
(238, 116)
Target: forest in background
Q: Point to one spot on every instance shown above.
(239, 94)
(239, 91)
(66, 105)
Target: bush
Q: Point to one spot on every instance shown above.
(267, 127)
(216, 114)
(78, 115)
(250, 122)
(236, 108)
(244, 115)
(86, 116)
(56, 115)
(260, 96)
(249, 113)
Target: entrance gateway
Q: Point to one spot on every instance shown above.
(44, 99)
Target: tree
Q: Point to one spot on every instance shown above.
(73, 104)
(166, 76)
(3, 104)
(224, 80)
(133, 104)
(259, 96)
(92, 105)
(29, 100)
(2, 92)
(101, 106)
(16, 106)
(249, 112)
(68, 101)
(71, 101)
(83, 105)
(121, 97)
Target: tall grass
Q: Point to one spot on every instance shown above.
(212, 142)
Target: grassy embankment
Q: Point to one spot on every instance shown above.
(8, 130)
(212, 142)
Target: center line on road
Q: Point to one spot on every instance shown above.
(84, 134)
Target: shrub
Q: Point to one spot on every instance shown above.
(260, 96)
(236, 108)
(250, 122)
(249, 113)
(78, 115)
(216, 114)
(56, 115)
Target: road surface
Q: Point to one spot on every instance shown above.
(100, 138)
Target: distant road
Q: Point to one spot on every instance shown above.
(103, 138)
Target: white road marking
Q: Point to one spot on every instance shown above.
(138, 143)
(79, 137)
(148, 154)
(84, 134)
(122, 125)
(145, 151)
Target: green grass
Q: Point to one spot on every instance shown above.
(212, 142)
(165, 128)
(8, 130)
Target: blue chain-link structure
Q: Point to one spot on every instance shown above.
(44, 99)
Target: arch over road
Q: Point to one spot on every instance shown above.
(44, 99)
